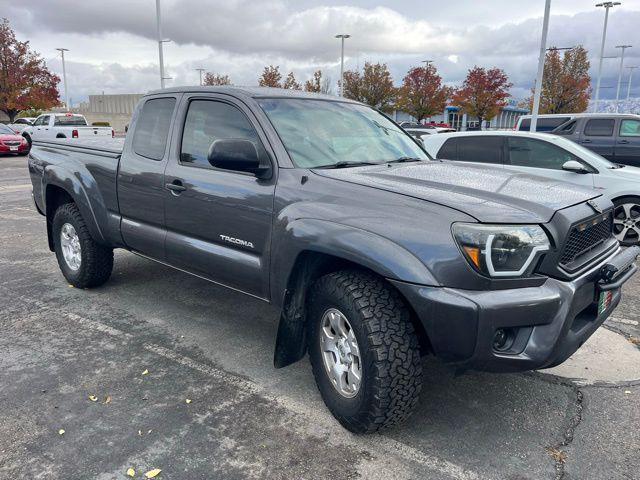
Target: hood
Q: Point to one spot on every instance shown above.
(10, 138)
(624, 173)
(489, 195)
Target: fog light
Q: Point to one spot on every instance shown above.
(500, 339)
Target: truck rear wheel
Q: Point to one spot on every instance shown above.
(363, 350)
(83, 262)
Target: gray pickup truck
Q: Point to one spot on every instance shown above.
(375, 253)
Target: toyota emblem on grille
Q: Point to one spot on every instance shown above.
(595, 206)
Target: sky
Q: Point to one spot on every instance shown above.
(113, 44)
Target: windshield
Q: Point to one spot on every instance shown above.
(71, 121)
(319, 133)
(6, 130)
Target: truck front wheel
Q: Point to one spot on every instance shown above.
(363, 350)
(84, 263)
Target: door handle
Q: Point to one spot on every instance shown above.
(176, 187)
(623, 141)
(586, 141)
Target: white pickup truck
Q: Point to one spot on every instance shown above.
(63, 125)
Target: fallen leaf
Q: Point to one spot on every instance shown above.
(146, 372)
(70, 286)
(108, 399)
(149, 432)
(152, 473)
(61, 431)
(635, 340)
(140, 432)
(557, 454)
(131, 472)
(188, 400)
(627, 392)
(93, 398)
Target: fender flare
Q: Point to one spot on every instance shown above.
(356, 246)
(54, 175)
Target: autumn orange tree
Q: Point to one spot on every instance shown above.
(422, 93)
(291, 83)
(483, 93)
(216, 79)
(271, 77)
(25, 81)
(374, 86)
(565, 83)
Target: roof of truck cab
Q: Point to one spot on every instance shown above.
(253, 92)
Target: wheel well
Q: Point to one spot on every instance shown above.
(308, 267)
(54, 198)
(61, 135)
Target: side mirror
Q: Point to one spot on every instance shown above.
(575, 167)
(236, 154)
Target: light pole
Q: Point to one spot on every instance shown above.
(427, 62)
(200, 70)
(64, 77)
(623, 48)
(342, 36)
(607, 6)
(631, 69)
(538, 87)
(160, 42)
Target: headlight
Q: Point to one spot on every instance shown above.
(501, 250)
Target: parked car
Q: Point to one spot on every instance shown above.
(11, 142)
(545, 122)
(63, 125)
(615, 137)
(555, 157)
(21, 123)
(374, 253)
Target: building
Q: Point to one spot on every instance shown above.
(506, 119)
(113, 109)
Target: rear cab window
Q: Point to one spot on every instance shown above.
(599, 127)
(543, 124)
(69, 121)
(152, 128)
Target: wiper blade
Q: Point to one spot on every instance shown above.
(405, 159)
(345, 164)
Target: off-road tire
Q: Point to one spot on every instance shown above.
(96, 261)
(391, 366)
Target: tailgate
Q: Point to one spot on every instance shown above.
(88, 132)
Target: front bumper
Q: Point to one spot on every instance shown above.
(547, 324)
(22, 148)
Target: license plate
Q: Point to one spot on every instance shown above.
(13, 149)
(604, 301)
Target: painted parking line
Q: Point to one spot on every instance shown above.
(15, 188)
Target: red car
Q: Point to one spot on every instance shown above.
(11, 142)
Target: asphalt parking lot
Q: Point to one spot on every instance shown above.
(182, 378)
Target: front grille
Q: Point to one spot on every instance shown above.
(12, 143)
(586, 236)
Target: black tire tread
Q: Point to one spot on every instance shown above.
(397, 366)
(97, 260)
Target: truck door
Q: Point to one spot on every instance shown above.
(598, 135)
(40, 128)
(218, 221)
(141, 177)
(628, 142)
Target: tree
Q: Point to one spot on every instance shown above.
(215, 79)
(483, 93)
(270, 77)
(422, 93)
(565, 82)
(291, 83)
(25, 81)
(318, 83)
(374, 86)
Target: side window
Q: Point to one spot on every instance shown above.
(480, 149)
(209, 120)
(152, 128)
(527, 152)
(38, 121)
(567, 128)
(599, 127)
(448, 151)
(630, 128)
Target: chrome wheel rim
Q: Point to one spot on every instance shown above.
(340, 353)
(70, 244)
(626, 222)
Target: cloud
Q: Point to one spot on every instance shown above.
(113, 44)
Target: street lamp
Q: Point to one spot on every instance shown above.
(607, 6)
(538, 87)
(623, 48)
(342, 36)
(160, 42)
(64, 77)
(200, 70)
(631, 69)
(427, 62)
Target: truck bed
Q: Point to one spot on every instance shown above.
(97, 145)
